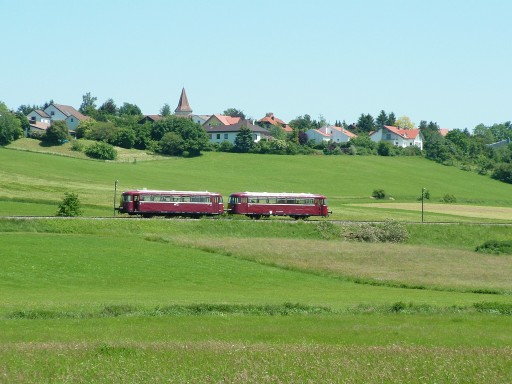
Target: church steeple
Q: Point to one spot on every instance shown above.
(183, 107)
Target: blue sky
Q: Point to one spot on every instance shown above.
(448, 61)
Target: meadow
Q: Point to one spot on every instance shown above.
(116, 300)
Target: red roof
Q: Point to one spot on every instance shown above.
(345, 131)
(224, 120)
(443, 131)
(405, 133)
(271, 119)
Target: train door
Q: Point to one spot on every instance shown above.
(136, 203)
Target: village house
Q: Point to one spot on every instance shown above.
(330, 133)
(221, 133)
(270, 120)
(399, 137)
(40, 120)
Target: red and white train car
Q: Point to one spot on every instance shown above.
(149, 203)
(265, 204)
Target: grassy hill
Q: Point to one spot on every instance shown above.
(35, 182)
(106, 300)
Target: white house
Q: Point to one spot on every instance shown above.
(317, 136)
(330, 132)
(221, 133)
(399, 137)
(41, 119)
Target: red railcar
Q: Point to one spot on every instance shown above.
(149, 203)
(264, 204)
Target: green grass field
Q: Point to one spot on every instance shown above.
(114, 300)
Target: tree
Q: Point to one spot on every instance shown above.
(171, 144)
(391, 119)
(26, 109)
(381, 120)
(233, 112)
(70, 205)
(101, 150)
(130, 109)
(109, 107)
(243, 140)
(88, 106)
(304, 123)
(10, 126)
(57, 133)
(404, 122)
(165, 110)
(365, 123)
(193, 135)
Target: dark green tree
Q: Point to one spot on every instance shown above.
(10, 126)
(130, 109)
(233, 112)
(366, 123)
(391, 119)
(26, 109)
(304, 123)
(243, 141)
(172, 144)
(70, 205)
(109, 107)
(56, 133)
(193, 135)
(381, 120)
(101, 150)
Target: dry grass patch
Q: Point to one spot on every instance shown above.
(397, 263)
(477, 211)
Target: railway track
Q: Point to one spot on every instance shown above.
(287, 220)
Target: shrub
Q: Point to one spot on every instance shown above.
(496, 247)
(70, 205)
(226, 146)
(387, 232)
(57, 133)
(379, 194)
(450, 199)
(503, 172)
(77, 146)
(101, 150)
(328, 230)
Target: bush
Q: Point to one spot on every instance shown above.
(102, 151)
(225, 146)
(77, 146)
(57, 133)
(496, 247)
(328, 230)
(503, 172)
(450, 199)
(70, 206)
(388, 232)
(379, 194)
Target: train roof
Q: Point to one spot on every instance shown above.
(173, 192)
(276, 194)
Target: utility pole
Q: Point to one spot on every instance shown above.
(115, 195)
(422, 203)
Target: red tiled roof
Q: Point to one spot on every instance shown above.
(345, 131)
(443, 131)
(405, 133)
(271, 119)
(224, 120)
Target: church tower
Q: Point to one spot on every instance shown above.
(183, 108)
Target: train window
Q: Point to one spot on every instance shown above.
(234, 200)
(127, 198)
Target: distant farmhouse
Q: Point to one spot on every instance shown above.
(330, 133)
(399, 137)
(39, 120)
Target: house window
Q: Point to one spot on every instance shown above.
(388, 136)
(52, 113)
(72, 120)
(225, 136)
(218, 136)
(210, 135)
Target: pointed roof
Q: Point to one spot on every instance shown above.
(183, 106)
